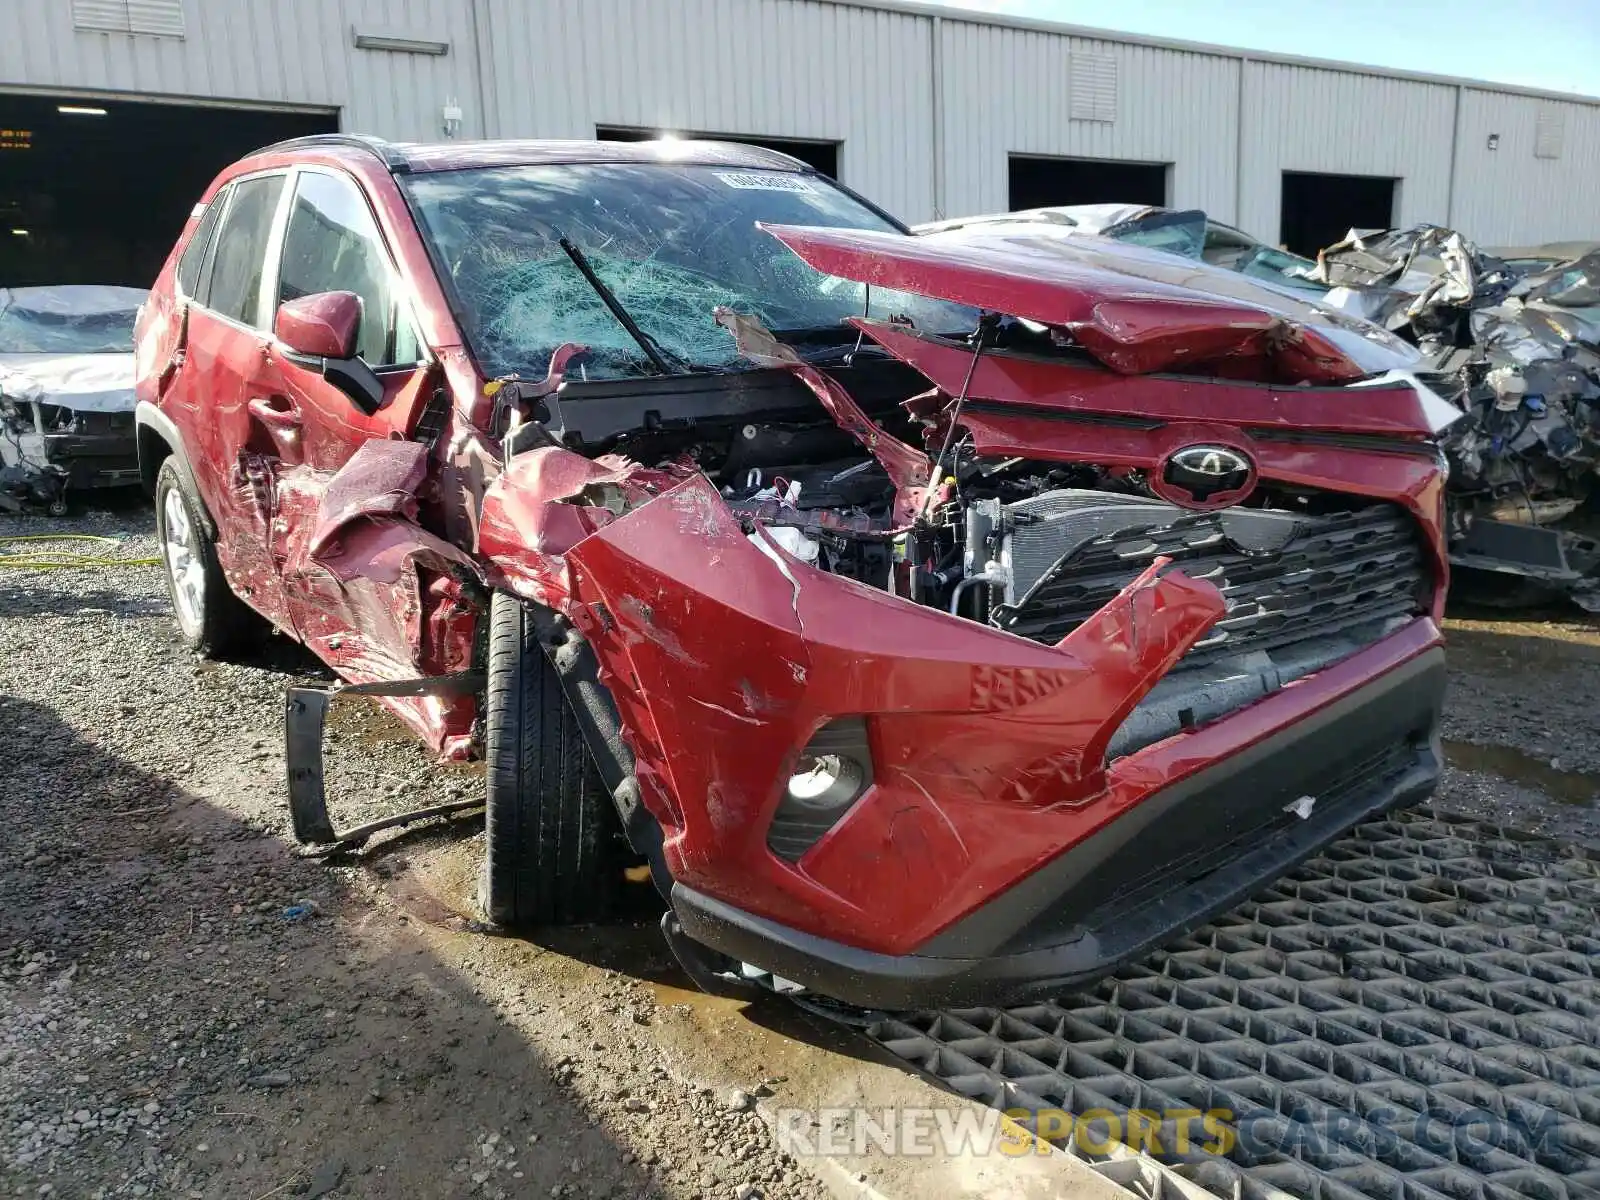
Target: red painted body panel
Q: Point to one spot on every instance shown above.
(1075, 388)
(988, 748)
(324, 325)
(265, 437)
(1134, 325)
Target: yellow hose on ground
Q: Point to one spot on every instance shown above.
(61, 559)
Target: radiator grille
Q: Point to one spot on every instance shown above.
(1285, 577)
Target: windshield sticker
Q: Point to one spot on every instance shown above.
(765, 181)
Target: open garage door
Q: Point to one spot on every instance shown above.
(823, 156)
(1318, 210)
(95, 191)
(1046, 182)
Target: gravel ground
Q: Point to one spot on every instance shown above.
(188, 1009)
(1520, 724)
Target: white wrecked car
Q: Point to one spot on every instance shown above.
(66, 392)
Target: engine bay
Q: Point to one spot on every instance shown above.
(1027, 546)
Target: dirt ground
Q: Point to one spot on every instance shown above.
(189, 1009)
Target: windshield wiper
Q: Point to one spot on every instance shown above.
(652, 349)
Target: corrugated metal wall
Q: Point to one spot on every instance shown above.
(1305, 119)
(1007, 91)
(288, 51)
(291, 52)
(1511, 191)
(888, 86)
(773, 68)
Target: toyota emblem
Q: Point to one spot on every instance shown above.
(1203, 472)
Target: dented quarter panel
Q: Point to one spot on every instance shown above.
(739, 653)
(233, 456)
(374, 594)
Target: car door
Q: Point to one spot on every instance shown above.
(232, 451)
(332, 242)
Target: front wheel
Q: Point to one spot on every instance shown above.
(211, 618)
(555, 851)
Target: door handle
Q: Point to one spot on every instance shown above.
(266, 410)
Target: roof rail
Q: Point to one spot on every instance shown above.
(391, 156)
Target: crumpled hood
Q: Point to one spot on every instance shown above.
(1136, 311)
(84, 382)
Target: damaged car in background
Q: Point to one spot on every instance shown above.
(1188, 233)
(66, 392)
(935, 621)
(1518, 351)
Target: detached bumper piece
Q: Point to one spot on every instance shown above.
(305, 714)
(47, 451)
(1556, 560)
(1170, 863)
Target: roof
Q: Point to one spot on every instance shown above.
(969, 16)
(453, 156)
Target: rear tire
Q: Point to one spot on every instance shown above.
(554, 852)
(213, 621)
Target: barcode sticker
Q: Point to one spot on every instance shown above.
(766, 181)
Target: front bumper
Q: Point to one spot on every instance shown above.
(94, 460)
(1180, 855)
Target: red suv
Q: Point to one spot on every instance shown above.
(940, 619)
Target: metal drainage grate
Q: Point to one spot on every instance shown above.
(1412, 1015)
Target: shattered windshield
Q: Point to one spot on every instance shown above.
(64, 328)
(672, 241)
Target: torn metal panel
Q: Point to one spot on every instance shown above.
(1136, 312)
(546, 501)
(1519, 355)
(373, 592)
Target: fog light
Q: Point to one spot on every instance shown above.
(832, 773)
(825, 781)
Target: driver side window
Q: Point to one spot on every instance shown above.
(332, 244)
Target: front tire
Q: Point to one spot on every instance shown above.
(553, 853)
(213, 621)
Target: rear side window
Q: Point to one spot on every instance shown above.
(235, 289)
(333, 244)
(195, 252)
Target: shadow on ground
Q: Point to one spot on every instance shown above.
(172, 1031)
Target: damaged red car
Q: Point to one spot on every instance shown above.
(939, 621)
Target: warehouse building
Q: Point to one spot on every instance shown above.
(115, 113)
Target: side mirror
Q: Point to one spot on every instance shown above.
(319, 332)
(323, 325)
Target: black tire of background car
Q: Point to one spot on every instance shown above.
(554, 851)
(227, 624)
